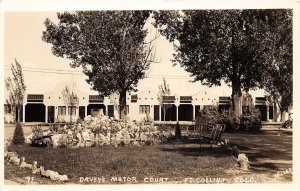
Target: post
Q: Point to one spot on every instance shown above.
(46, 114)
(193, 112)
(268, 107)
(23, 118)
(176, 112)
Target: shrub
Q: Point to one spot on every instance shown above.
(18, 138)
(251, 121)
(211, 113)
(228, 118)
(178, 131)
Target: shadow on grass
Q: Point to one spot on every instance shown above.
(264, 167)
(196, 150)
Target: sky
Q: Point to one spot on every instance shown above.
(43, 71)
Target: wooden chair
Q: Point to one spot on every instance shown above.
(200, 130)
(215, 136)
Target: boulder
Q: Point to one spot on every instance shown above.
(11, 154)
(35, 169)
(15, 160)
(55, 139)
(53, 175)
(6, 144)
(143, 137)
(243, 161)
(63, 178)
(23, 164)
(44, 172)
(63, 140)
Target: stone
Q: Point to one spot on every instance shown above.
(64, 178)
(23, 164)
(15, 160)
(143, 136)
(53, 175)
(78, 135)
(22, 160)
(26, 165)
(44, 172)
(55, 138)
(5, 154)
(29, 138)
(11, 154)
(243, 161)
(63, 139)
(6, 144)
(35, 169)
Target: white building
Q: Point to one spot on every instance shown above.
(50, 107)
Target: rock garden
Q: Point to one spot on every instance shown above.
(100, 130)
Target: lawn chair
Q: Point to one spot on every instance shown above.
(200, 129)
(215, 136)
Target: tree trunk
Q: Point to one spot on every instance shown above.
(275, 112)
(122, 105)
(18, 110)
(236, 98)
(282, 115)
(13, 113)
(70, 114)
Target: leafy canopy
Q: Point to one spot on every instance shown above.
(222, 45)
(109, 45)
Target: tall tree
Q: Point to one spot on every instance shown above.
(221, 45)
(163, 92)
(277, 54)
(109, 45)
(16, 89)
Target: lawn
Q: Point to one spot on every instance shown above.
(172, 161)
(269, 153)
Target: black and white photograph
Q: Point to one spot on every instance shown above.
(187, 96)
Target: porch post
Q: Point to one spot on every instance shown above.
(177, 112)
(23, 111)
(46, 114)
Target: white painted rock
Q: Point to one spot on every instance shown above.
(11, 154)
(55, 140)
(243, 161)
(143, 137)
(63, 178)
(28, 139)
(15, 160)
(26, 165)
(35, 169)
(53, 175)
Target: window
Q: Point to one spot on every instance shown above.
(61, 110)
(7, 109)
(144, 108)
(72, 110)
(35, 98)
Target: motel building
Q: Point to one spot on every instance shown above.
(50, 107)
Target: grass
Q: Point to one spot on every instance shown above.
(269, 152)
(140, 162)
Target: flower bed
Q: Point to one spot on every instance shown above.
(102, 130)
